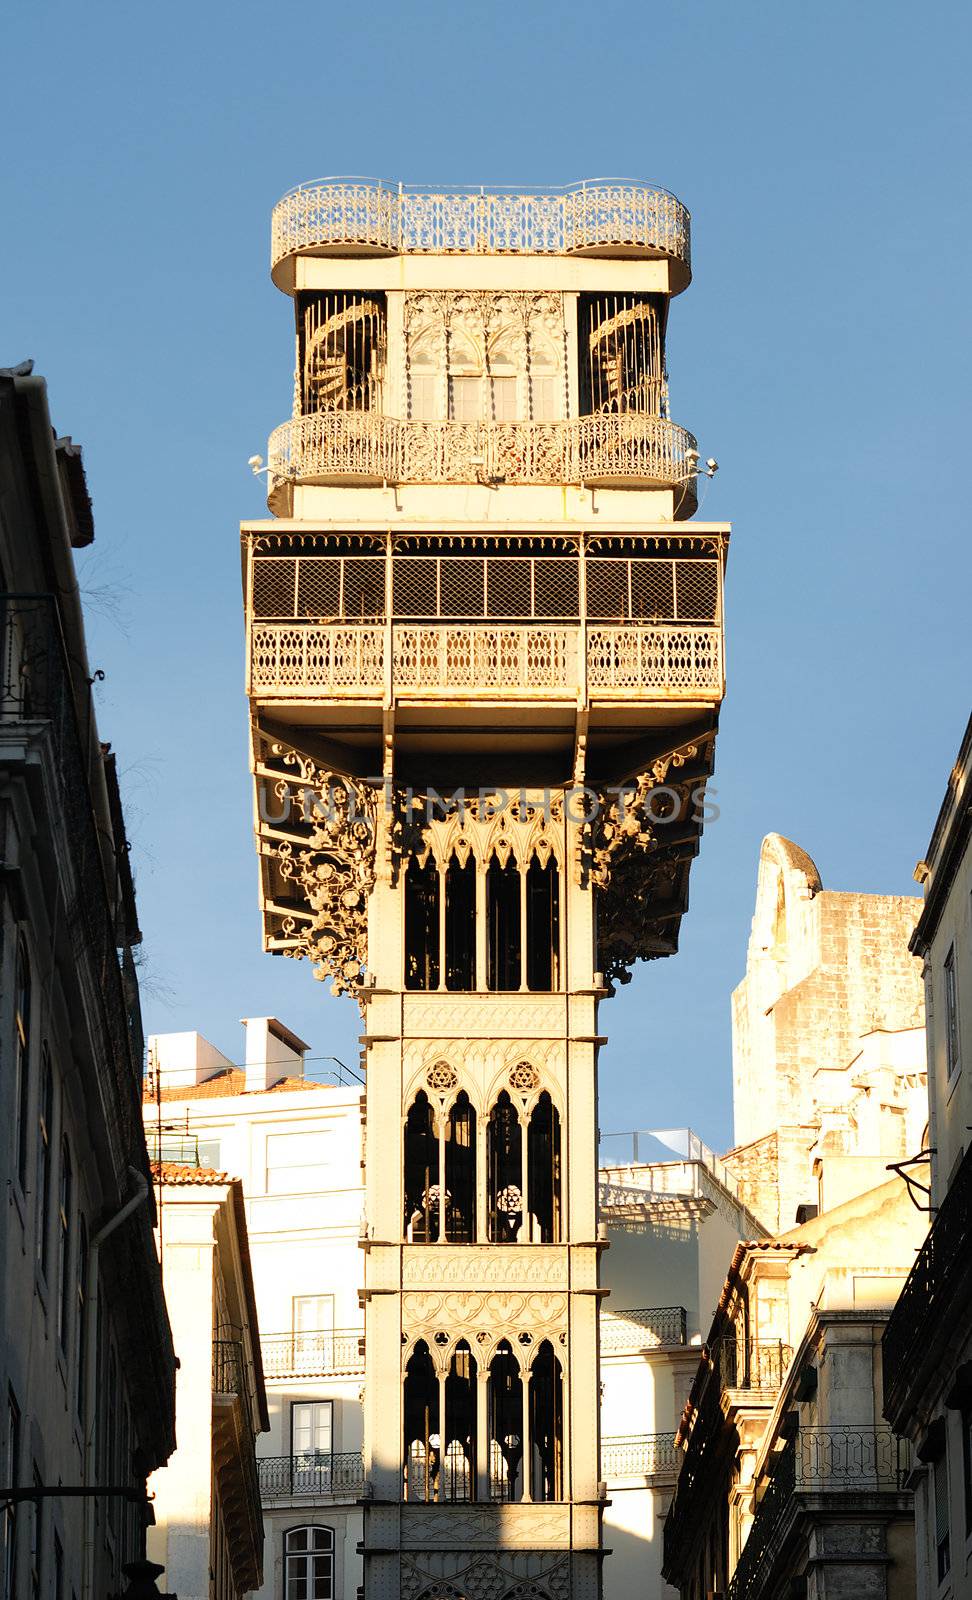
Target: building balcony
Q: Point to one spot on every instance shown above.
(648, 1328)
(758, 1367)
(314, 1354)
(629, 449)
(516, 661)
(303, 1480)
(363, 217)
(651, 1456)
(834, 1461)
(936, 1288)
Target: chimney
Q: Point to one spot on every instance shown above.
(272, 1052)
(183, 1060)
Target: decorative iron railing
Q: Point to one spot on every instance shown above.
(647, 1328)
(347, 446)
(37, 686)
(818, 1461)
(296, 660)
(318, 1476)
(651, 1455)
(924, 1302)
(363, 215)
(760, 1365)
(313, 1354)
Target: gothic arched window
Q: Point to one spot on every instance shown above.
(505, 1425)
(421, 925)
(423, 1443)
(546, 1426)
(460, 1172)
(544, 1172)
(422, 1187)
(459, 1430)
(543, 925)
(504, 1176)
(503, 927)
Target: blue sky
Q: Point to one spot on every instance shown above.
(821, 354)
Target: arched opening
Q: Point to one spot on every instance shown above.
(342, 351)
(423, 1453)
(460, 1172)
(546, 384)
(459, 1432)
(504, 1177)
(505, 1426)
(460, 924)
(421, 925)
(546, 1426)
(543, 1150)
(465, 378)
(422, 1212)
(503, 925)
(543, 925)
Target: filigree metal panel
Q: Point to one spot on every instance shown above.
(334, 447)
(335, 214)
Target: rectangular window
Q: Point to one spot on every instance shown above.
(465, 399)
(423, 396)
(12, 1475)
(504, 399)
(940, 1483)
(45, 1124)
(22, 1006)
(312, 1428)
(951, 1016)
(64, 1285)
(296, 1162)
(314, 1313)
(208, 1151)
(544, 394)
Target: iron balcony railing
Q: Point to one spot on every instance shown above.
(759, 1365)
(317, 1476)
(925, 1301)
(647, 1328)
(37, 687)
(313, 1354)
(363, 215)
(831, 1460)
(651, 1455)
(335, 447)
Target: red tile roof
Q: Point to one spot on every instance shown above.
(232, 1080)
(180, 1172)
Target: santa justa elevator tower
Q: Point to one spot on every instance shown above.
(484, 662)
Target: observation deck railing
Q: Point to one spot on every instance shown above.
(361, 216)
(486, 626)
(335, 447)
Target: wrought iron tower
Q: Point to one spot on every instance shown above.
(484, 661)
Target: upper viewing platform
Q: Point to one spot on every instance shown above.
(602, 217)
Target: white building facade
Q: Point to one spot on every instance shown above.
(296, 1147)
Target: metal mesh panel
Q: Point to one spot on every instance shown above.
(555, 588)
(415, 586)
(273, 586)
(509, 587)
(364, 587)
(607, 589)
(652, 589)
(697, 584)
(461, 586)
(318, 586)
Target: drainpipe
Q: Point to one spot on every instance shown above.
(91, 1367)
